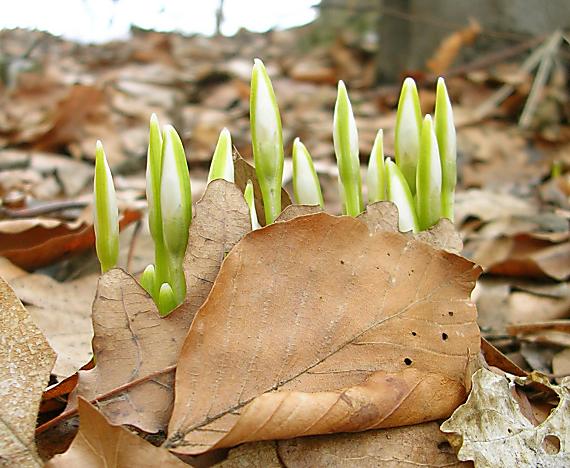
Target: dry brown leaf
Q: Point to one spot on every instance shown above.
(132, 341)
(99, 444)
(62, 311)
(221, 220)
(491, 430)
(348, 314)
(26, 360)
(451, 46)
(293, 211)
(418, 445)
(33, 243)
(243, 172)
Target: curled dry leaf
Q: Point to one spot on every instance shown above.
(417, 445)
(26, 360)
(33, 243)
(333, 329)
(491, 430)
(132, 341)
(99, 444)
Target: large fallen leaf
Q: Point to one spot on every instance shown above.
(491, 430)
(33, 243)
(314, 325)
(131, 340)
(418, 445)
(26, 360)
(99, 444)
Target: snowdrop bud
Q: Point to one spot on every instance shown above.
(106, 213)
(376, 176)
(408, 128)
(153, 166)
(222, 166)
(148, 281)
(249, 198)
(428, 181)
(306, 186)
(267, 140)
(399, 194)
(345, 137)
(446, 140)
(166, 300)
(175, 195)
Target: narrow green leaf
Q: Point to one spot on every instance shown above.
(376, 175)
(345, 137)
(428, 182)
(446, 139)
(148, 281)
(106, 216)
(267, 140)
(250, 199)
(222, 166)
(306, 186)
(166, 300)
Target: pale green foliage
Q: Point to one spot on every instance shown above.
(306, 186)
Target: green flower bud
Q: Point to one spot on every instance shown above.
(399, 194)
(376, 176)
(106, 217)
(407, 135)
(446, 140)
(222, 166)
(249, 198)
(148, 281)
(306, 186)
(267, 140)
(345, 137)
(428, 181)
(166, 300)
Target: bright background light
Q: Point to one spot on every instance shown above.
(103, 20)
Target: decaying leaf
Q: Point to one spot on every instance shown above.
(314, 325)
(491, 430)
(132, 341)
(417, 445)
(221, 220)
(33, 243)
(26, 360)
(99, 444)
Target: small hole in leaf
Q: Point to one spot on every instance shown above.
(408, 361)
(342, 262)
(445, 447)
(509, 430)
(450, 313)
(377, 267)
(444, 336)
(551, 444)
(388, 253)
(414, 333)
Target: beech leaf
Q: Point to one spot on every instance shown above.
(26, 360)
(491, 430)
(314, 326)
(99, 444)
(132, 341)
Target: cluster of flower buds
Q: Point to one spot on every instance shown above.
(421, 181)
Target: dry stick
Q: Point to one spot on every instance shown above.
(550, 50)
(133, 383)
(484, 109)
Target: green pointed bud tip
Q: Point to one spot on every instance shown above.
(407, 132)
(106, 215)
(376, 175)
(428, 197)
(148, 280)
(222, 165)
(166, 300)
(267, 140)
(345, 139)
(399, 194)
(175, 194)
(447, 143)
(306, 186)
(250, 200)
